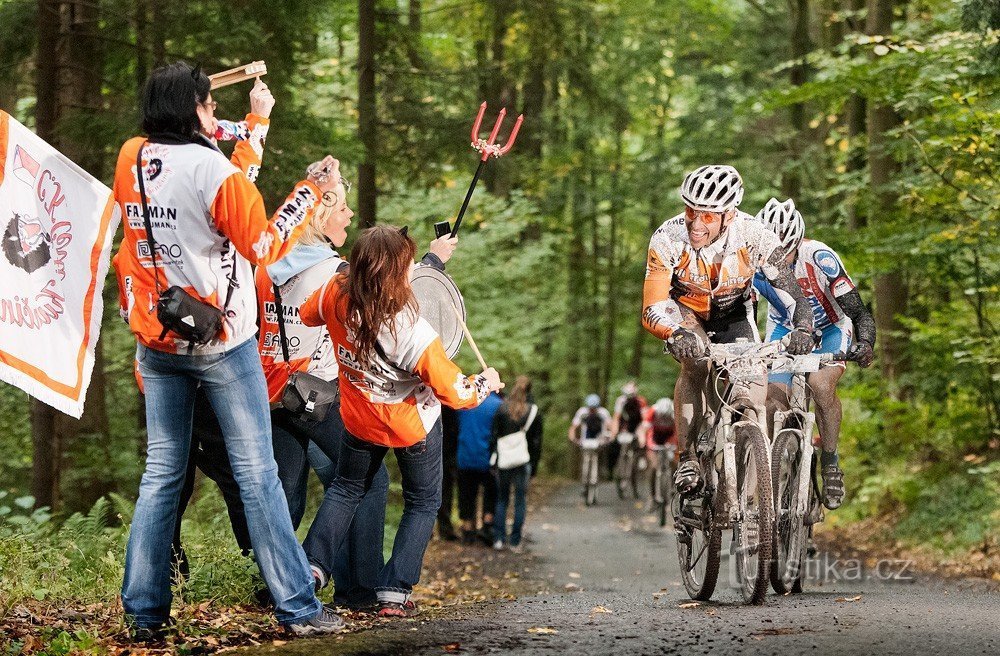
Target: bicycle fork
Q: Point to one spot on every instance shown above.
(805, 470)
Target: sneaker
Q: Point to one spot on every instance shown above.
(326, 622)
(395, 609)
(498, 545)
(688, 477)
(833, 487)
(147, 633)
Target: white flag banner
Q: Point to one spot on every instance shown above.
(58, 222)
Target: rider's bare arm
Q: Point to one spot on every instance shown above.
(660, 314)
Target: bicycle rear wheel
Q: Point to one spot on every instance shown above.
(790, 531)
(755, 531)
(699, 544)
(665, 489)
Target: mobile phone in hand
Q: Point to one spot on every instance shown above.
(441, 229)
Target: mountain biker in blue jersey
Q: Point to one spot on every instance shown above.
(838, 313)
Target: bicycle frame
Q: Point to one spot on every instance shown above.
(733, 404)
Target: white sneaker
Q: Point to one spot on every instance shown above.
(498, 545)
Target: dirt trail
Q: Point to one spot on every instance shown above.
(605, 579)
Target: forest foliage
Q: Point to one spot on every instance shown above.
(885, 133)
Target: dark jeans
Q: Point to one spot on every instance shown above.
(506, 479)
(297, 444)
(358, 464)
(469, 483)
(449, 454)
(355, 566)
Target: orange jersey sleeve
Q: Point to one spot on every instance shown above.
(317, 306)
(239, 214)
(248, 154)
(450, 385)
(656, 301)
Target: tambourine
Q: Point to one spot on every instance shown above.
(438, 295)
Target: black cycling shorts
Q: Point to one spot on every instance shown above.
(738, 323)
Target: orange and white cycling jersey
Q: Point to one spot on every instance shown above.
(309, 348)
(208, 218)
(394, 401)
(711, 281)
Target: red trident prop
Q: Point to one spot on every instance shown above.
(488, 148)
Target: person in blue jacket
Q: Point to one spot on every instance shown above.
(475, 430)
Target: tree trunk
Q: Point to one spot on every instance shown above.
(791, 182)
(367, 117)
(45, 437)
(534, 85)
(856, 127)
(890, 285)
(634, 368)
(413, 39)
(611, 307)
(500, 93)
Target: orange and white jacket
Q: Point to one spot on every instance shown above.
(309, 348)
(394, 401)
(207, 218)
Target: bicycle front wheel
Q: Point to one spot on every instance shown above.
(790, 531)
(755, 528)
(699, 544)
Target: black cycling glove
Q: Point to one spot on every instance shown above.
(799, 342)
(685, 344)
(862, 353)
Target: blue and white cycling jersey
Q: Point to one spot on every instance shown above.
(823, 279)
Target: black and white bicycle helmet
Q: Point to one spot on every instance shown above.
(785, 221)
(713, 188)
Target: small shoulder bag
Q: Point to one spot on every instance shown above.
(307, 396)
(512, 450)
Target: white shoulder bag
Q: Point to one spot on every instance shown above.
(512, 450)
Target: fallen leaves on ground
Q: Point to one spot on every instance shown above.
(543, 630)
(690, 604)
(601, 609)
(857, 598)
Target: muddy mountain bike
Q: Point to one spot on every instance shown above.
(662, 479)
(630, 463)
(736, 492)
(794, 466)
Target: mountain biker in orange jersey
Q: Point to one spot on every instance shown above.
(838, 311)
(698, 288)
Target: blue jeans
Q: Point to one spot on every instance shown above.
(518, 479)
(234, 384)
(358, 464)
(355, 566)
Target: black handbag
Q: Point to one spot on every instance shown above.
(191, 318)
(306, 396)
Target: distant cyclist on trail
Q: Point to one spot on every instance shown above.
(626, 421)
(699, 275)
(591, 422)
(838, 311)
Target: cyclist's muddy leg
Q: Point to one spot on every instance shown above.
(828, 409)
(689, 399)
(777, 400)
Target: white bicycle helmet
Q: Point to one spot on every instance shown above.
(713, 188)
(592, 401)
(785, 221)
(664, 407)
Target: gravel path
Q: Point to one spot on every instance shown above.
(610, 584)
